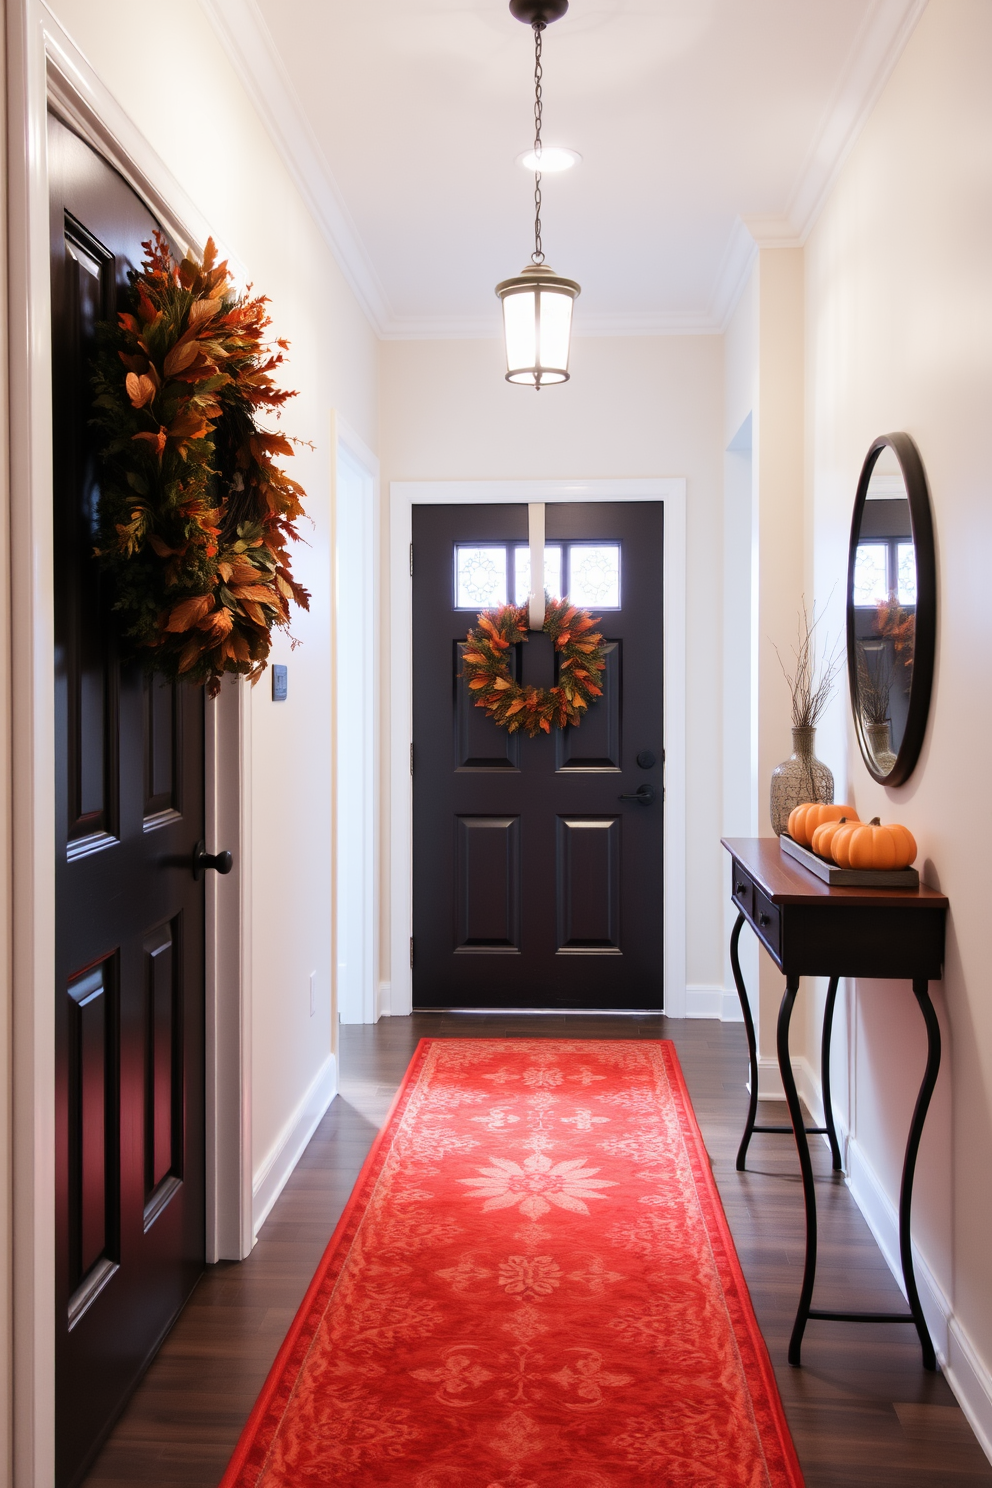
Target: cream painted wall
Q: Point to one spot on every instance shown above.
(636, 406)
(899, 337)
(193, 111)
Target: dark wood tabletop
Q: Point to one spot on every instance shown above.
(785, 881)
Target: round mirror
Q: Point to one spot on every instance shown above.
(891, 608)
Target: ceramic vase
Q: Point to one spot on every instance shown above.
(802, 777)
(880, 743)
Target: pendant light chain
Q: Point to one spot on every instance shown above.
(538, 255)
(537, 302)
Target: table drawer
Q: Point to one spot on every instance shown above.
(766, 919)
(742, 889)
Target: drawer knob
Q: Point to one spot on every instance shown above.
(739, 888)
(764, 919)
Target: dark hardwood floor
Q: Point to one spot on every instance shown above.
(862, 1410)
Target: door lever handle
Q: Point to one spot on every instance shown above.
(644, 794)
(222, 861)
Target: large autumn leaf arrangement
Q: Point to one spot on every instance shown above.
(511, 705)
(194, 516)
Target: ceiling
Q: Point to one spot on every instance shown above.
(704, 126)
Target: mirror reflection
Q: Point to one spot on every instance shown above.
(883, 600)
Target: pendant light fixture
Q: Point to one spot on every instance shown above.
(537, 304)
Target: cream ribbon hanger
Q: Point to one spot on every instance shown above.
(535, 537)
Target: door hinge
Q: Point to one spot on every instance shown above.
(411, 952)
(411, 560)
(411, 759)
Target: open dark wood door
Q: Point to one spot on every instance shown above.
(537, 867)
(129, 915)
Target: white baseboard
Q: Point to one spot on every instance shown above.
(274, 1172)
(385, 1008)
(712, 1002)
(770, 1081)
(967, 1374)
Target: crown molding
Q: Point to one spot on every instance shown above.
(733, 273)
(253, 55)
(886, 28)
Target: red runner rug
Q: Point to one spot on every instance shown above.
(533, 1286)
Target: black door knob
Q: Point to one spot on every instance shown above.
(222, 861)
(644, 794)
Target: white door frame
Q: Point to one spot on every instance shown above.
(355, 833)
(404, 495)
(44, 69)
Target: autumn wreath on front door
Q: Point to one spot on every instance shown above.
(486, 666)
(195, 516)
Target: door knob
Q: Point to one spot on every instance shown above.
(222, 861)
(644, 794)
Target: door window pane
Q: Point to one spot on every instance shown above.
(870, 577)
(594, 575)
(480, 577)
(552, 573)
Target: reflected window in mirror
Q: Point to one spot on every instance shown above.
(884, 584)
(885, 600)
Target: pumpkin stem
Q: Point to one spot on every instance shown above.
(875, 821)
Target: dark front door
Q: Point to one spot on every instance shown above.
(129, 915)
(536, 885)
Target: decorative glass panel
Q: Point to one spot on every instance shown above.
(552, 574)
(594, 575)
(870, 576)
(906, 563)
(480, 578)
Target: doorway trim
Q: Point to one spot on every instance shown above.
(355, 757)
(403, 496)
(44, 69)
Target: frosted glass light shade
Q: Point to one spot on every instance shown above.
(537, 325)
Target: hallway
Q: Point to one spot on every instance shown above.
(861, 1410)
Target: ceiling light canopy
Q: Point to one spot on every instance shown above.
(537, 302)
(552, 159)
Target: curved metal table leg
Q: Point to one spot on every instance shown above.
(922, 995)
(828, 1110)
(806, 1166)
(752, 1048)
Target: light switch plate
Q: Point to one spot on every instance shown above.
(280, 683)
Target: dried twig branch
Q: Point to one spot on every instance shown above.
(811, 683)
(875, 677)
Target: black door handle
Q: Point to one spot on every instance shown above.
(222, 861)
(644, 794)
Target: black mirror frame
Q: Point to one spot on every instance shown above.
(925, 646)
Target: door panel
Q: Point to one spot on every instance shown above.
(488, 883)
(535, 885)
(587, 878)
(129, 915)
(478, 746)
(595, 744)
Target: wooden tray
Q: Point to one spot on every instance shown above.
(853, 878)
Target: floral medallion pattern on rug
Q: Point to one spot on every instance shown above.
(534, 1286)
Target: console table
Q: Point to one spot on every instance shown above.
(812, 929)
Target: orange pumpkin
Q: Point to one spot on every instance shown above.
(872, 845)
(824, 836)
(805, 819)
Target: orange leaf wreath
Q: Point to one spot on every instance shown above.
(578, 647)
(194, 515)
